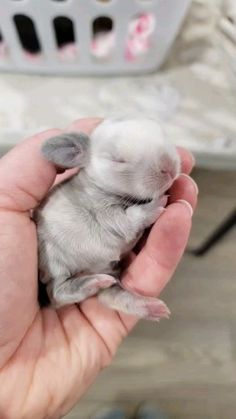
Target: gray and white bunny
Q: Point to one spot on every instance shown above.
(89, 223)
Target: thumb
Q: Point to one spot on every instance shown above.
(25, 177)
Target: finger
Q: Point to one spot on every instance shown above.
(184, 188)
(66, 175)
(25, 176)
(148, 273)
(86, 125)
(187, 160)
(156, 262)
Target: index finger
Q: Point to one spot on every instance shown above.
(153, 267)
(187, 160)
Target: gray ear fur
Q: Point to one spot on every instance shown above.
(67, 150)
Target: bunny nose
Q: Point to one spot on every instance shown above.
(165, 172)
(169, 167)
(171, 172)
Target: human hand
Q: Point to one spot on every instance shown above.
(49, 358)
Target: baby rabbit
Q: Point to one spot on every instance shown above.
(89, 223)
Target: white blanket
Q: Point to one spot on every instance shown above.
(194, 95)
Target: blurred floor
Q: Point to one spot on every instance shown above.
(186, 365)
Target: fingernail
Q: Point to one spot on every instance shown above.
(187, 204)
(193, 159)
(193, 182)
(93, 119)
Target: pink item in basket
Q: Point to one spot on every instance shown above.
(136, 47)
(68, 52)
(103, 44)
(3, 50)
(140, 31)
(142, 26)
(32, 57)
(139, 36)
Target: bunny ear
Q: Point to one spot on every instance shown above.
(67, 150)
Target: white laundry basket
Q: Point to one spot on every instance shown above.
(30, 38)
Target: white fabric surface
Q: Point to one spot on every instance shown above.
(194, 95)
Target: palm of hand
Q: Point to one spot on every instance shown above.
(48, 359)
